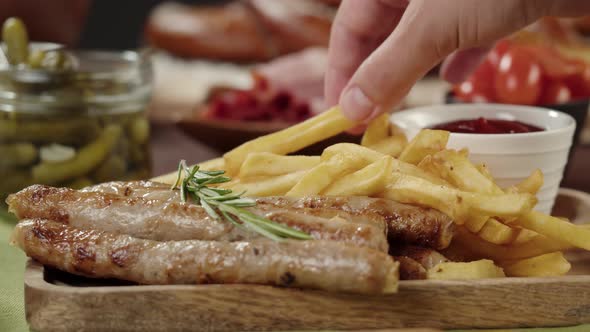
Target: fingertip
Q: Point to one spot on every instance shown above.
(355, 104)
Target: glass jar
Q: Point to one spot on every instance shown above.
(78, 127)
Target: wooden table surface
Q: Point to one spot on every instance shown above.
(170, 144)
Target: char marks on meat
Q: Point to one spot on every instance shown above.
(325, 265)
(147, 218)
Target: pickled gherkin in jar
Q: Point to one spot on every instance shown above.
(71, 118)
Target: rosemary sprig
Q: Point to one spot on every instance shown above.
(225, 204)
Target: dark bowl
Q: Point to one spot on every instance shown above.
(577, 109)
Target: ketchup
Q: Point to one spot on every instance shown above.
(487, 126)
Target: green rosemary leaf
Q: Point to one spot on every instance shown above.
(213, 173)
(210, 211)
(241, 202)
(224, 204)
(253, 226)
(273, 226)
(179, 177)
(232, 220)
(209, 192)
(183, 192)
(216, 180)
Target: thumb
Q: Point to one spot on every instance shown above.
(386, 76)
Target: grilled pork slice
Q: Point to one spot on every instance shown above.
(325, 265)
(145, 189)
(172, 220)
(407, 224)
(161, 192)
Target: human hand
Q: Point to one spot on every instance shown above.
(380, 48)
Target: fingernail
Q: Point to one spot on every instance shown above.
(355, 105)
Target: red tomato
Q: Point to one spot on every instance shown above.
(555, 92)
(501, 47)
(554, 64)
(479, 87)
(518, 80)
(580, 84)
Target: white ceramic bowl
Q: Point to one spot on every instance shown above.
(509, 157)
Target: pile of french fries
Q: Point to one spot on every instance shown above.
(499, 233)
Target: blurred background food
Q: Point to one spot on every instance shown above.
(70, 117)
(226, 71)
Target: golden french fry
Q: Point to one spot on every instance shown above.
(377, 130)
(427, 142)
(456, 169)
(291, 139)
(456, 203)
(393, 145)
(547, 265)
(476, 223)
(209, 165)
(480, 269)
(484, 170)
(370, 156)
(524, 236)
(364, 153)
(532, 184)
(321, 176)
(496, 232)
(269, 164)
(556, 228)
(478, 248)
(368, 181)
(266, 186)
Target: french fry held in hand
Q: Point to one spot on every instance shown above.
(295, 138)
(547, 265)
(481, 269)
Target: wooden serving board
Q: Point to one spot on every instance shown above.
(57, 301)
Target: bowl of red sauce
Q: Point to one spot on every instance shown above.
(511, 140)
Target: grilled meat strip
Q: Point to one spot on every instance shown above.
(406, 224)
(325, 265)
(172, 220)
(159, 191)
